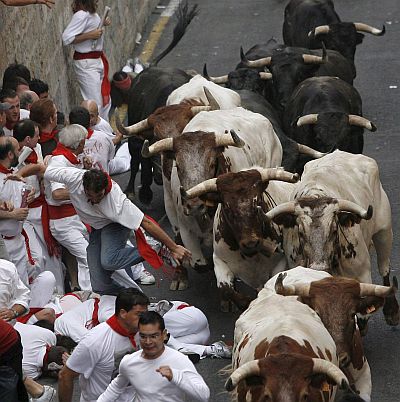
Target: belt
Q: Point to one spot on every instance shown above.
(89, 55)
(61, 211)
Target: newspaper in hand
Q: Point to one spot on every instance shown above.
(101, 25)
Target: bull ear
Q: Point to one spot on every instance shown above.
(347, 219)
(286, 220)
(370, 304)
(320, 381)
(359, 38)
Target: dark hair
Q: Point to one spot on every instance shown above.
(87, 5)
(95, 180)
(79, 115)
(16, 70)
(66, 342)
(13, 84)
(5, 148)
(128, 298)
(45, 324)
(60, 119)
(152, 317)
(55, 354)
(42, 110)
(24, 128)
(38, 86)
(118, 97)
(7, 93)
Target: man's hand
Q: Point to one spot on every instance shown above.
(7, 314)
(180, 253)
(15, 177)
(87, 162)
(6, 206)
(166, 372)
(20, 214)
(96, 33)
(107, 22)
(31, 196)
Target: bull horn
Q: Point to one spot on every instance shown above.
(207, 186)
(360, 121)
(349, 206)
(321, 366)
(265, 61)
(286, 207)
(305, 150)
(133, 129)
(311, 59)
(360, 27)
(166, 144)
(226, 140)
(322, 29)
(211, 99)
(299, 289)
(223, 79)
(369, 289)
(248, 369)
(197, 109)
(268, 174)
(265, 76)
(307, 119)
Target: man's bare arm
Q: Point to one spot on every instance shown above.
(66, 384)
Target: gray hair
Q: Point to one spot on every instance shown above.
(70, 136)
(25, 100)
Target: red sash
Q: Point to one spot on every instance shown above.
(28, 249)
(61, 211)
(105, 84)
(66, 152)
(116, 326)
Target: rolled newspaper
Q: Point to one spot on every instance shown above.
(26, 151)
(105, 15)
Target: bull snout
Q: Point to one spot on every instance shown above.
(194, 208)
(344, 359)
(249, 247)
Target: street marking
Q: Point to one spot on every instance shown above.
(157, 31)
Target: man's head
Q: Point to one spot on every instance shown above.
(73, 137)
(130, 303)
(9, 152)
(11, 97)
(95, 182)
(54, 362)
(26, 99)
(79, 115)
(18, 84)
(85, 5)
(26, 132)
(40, 87)
(152, 334)
(3, 116)
(16, 70)
(44, 112)
(92, 108)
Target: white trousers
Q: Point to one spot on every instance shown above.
(71, 233)
(89, 73)
(34, 229)
(42, 289)
(18, 255)
(121, 162)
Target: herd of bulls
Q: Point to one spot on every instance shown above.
(316, 218)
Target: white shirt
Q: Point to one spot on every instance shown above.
(150, 386)
(24, 114)
(34, 341)
(105, 127)
(10, 191)
(12, 289)
(100, 148)
(114, 207)
(81, 22)
(95, 359)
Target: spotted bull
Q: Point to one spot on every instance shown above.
(283, 353)
(338, 210)
(244, 242)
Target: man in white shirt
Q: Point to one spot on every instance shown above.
(101, 203)
(95, 358)
(156, 373)
(13, 113)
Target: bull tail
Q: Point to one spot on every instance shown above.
(185, 16)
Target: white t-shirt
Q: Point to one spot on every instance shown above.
(114, 207)
(34, 341)
(81, 22)
(96, 358)
(105, 127)
(150, 386)
(100, 148)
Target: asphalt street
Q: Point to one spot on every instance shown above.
(215, 37)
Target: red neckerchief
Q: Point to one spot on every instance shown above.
(4, 169)
(143, 247)
(67, 153)
(32, 158)
(116, 326)
(45, 137)
(89, 133)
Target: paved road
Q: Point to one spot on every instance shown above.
(215, 37)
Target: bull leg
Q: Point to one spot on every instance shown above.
(383, 246)
(191, 242)
(362, 381)
(135, 152)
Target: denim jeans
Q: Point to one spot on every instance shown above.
(107, 252)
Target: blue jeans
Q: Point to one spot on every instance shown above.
(107, 252)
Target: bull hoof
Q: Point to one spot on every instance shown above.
(183, 284)
(391, 311)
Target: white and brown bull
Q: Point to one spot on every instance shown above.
(209, 147)
(244, 241)
(338, 210)
(283, 353)
(337, 300)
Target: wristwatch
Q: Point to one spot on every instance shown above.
(16, 314)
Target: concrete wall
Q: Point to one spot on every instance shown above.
(32, 36)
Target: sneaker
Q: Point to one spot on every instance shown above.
(220, 350)
(146, 278)
(49, 395)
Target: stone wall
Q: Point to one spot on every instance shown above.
(32, 36)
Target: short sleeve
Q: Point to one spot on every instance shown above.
(75, 27)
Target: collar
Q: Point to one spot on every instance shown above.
(45, 137)
(66, 152)
(116, 326)
(32, 158)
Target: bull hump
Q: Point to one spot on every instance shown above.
(284, 344)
